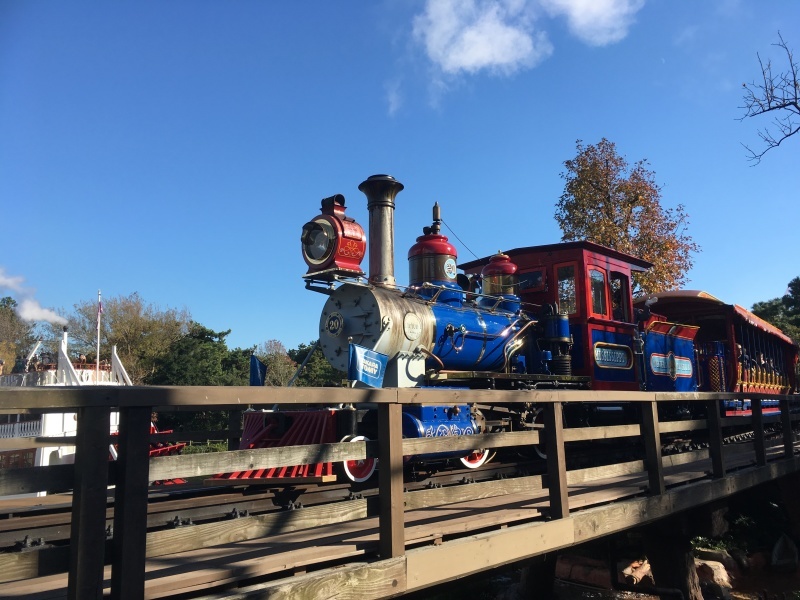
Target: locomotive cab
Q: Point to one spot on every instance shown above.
(589, 287)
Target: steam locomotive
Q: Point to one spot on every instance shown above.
(551, 316)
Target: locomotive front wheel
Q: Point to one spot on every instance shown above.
(358, 471)
(475, 459)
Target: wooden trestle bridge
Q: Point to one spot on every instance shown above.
(393, 542)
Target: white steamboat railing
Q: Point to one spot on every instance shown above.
(22, 429)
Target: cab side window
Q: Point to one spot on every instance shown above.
(620, 297)
(597, 281)
(567, 293)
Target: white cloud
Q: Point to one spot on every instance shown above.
(467, 36)
(596, 22)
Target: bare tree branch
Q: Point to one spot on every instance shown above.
(778, 94)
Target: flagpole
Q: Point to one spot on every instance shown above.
(97, 364)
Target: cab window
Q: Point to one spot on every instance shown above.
(597, 281)
(567, 294)
(620, 297)
(532, 281)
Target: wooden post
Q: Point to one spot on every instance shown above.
(715, 441)
(130, 504)
(234, 424)
(652, 448)
(89, 499)
(390, 481)
(758, 432)
(786, 423)
(556, 460)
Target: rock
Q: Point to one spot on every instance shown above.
(714, 579)
(721, 556)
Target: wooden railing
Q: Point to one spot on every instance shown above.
(133, 471)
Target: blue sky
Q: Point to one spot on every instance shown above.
(175, 149)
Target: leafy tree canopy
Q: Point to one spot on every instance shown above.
(141, 331)
(783, 312)
(318, 372)
(609, 202)
(280, 367)
(200, 357)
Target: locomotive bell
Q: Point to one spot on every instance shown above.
(333, 243)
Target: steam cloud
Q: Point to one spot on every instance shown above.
(28, 308)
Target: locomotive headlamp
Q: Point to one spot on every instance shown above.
(332, 243)
(318, 240)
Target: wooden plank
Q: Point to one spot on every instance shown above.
(432, 445)
(27, 565)
(585, 434)
(390, 481)
(454, 559)
(27, 480)
(236, 397)
(366, 581)
(130, 505)
(196, 465)
(88, 531)
(556, 460)
(678, 426)
(461, 493)
(652, 447)
(207, 535)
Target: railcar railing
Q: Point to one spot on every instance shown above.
(133, 471)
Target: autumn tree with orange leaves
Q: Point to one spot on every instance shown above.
(608, 202)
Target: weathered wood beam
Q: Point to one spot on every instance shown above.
(130, 505)
(556, 460)
(652, 447)
(88, 532)
(390, 481)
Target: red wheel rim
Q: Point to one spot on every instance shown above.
(359, 470)
(475, 459)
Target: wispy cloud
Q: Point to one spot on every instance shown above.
(596, 22)
(10, 283)
(467, 36)
(28, 308)
(394, 96)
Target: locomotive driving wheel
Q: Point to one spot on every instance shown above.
(475, 459)
(360, 470)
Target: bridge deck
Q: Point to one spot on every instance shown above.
(437, 537)
(399, 541)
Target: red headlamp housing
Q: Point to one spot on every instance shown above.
(332, 243)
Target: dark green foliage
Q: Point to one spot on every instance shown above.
(317, 372)
(783, 312)
(201, 357)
